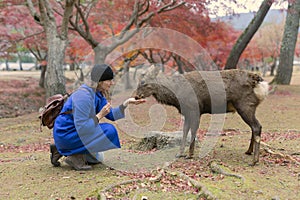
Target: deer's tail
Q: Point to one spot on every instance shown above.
(261, 90)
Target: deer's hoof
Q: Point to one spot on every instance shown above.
(248, 152)
(189, 157)
(179, 155)
(252, 164)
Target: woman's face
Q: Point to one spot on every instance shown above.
(105, 85)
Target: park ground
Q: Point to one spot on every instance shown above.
(224, 173)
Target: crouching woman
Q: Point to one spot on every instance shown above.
(77, 132)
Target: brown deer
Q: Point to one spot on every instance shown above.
(213, 92)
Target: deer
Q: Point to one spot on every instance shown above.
(207, 92)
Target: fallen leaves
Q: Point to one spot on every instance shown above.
(19, 97)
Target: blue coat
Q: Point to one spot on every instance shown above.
(80, 132)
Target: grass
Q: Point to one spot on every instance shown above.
(26, 172)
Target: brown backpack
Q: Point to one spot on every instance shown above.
(53, 107)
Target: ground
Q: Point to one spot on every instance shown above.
(223, 173)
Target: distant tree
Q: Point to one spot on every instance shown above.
(247, 35)
(18, 31)
(289, 40)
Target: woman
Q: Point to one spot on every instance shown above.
(79, 135)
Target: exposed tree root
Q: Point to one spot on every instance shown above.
(267, 148)
(203, 191)
(295, 154)
(215, 168)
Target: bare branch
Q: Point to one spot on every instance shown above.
(146, 8)
(126, 34)
(32, 35)
(89, 8)
(34, 14)
(170, 6)
(112, 30)
(86, 34)
(67, 14)
(132, 19)
(43, 12)
(49, 9)
(80, 12)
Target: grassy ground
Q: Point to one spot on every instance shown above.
(26, 172)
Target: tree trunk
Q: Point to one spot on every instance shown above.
(20, 62)
(57, 43)
(273, 66)
(55, 79)
(179, 64)
(42, 76)
(100, 54)
(6, 64)
(289, 40)
(57, 40)
(127, 75)
(247, 35)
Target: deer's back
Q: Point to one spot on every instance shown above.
(216, 89)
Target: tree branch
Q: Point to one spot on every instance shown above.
(126, 34)
(34, 14)
(49, 10)
(67, 14)
(84, 33)
(132, 19)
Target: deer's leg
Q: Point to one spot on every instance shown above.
(248, 115)
(194, 127)
(250, 149)
(186, 128)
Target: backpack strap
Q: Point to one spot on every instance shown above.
(67, 95)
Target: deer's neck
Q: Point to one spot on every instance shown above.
(166, 96)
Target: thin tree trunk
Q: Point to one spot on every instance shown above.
(289, 40)
(247, 35)
(179, 64)
(6, 64)
(127, 75)
(42, 76)
(273, 66)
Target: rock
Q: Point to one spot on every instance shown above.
(160, 140)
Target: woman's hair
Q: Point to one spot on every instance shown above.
(107, 95)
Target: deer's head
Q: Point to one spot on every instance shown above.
(147, 80)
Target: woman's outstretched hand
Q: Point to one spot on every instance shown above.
(133, 101)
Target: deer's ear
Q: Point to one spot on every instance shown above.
(152, 72)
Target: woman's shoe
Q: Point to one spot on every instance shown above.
(78, 162)
(54, 155)
(94, 158)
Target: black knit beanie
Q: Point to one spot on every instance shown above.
(101, 72)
